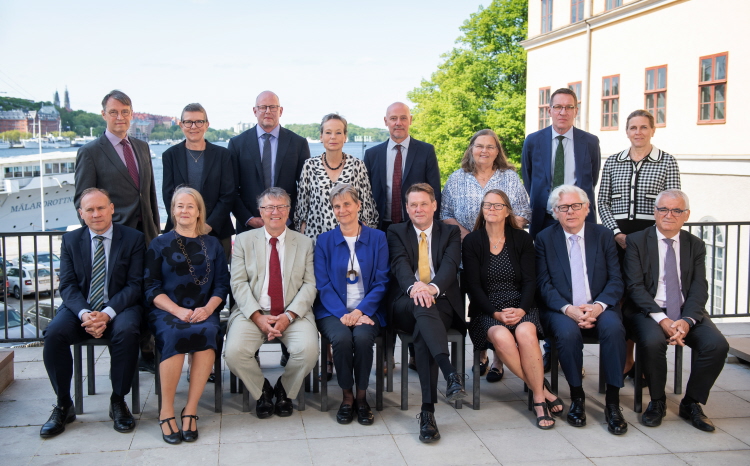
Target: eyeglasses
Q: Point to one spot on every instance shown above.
(270, 108)
(481, 147)
(271, 208)
(490, 206)
(560, 108)
(566, 207)
(197, 123)
(675, 212)
(114, 113)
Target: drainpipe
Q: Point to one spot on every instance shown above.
(587, 75)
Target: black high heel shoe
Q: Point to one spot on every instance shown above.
(189, 435)
(173, 438)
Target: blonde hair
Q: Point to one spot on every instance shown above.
(200, 227)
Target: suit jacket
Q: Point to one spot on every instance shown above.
(421, 167)
(554, 286)
(99, 166)
(291, 154)
(445, 248)
(249, 270)
(476, 262)
(217, 185)
(124, 269)
(536, 170)
(642, 273)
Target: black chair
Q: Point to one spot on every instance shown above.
(90, 373)
(638, 381)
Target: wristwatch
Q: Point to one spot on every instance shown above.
(289, 316)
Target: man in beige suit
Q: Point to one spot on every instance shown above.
(273, 282)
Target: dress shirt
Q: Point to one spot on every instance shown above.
(390, 161)
(107, 243)
(570, 159)
(118, 148)
(582, 247)
(428, 232)
(264, 300)
(661, 288)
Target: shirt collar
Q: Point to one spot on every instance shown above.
(107, 234)
(274, 132)
(654, 156)
(114, 139)
(281, 237)
(427, 232)
(405, 143)
(568, 134)
(580, 233)
(364, 234)
(660, 236)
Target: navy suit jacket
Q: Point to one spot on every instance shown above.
(292, 151)
(124, 269)
(536, 170)
(554, 285)
(421, 167)
(216, 187)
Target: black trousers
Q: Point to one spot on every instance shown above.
(704, 338)
(429, 328)
(65, 329)
(352, 350)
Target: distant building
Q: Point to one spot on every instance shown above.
(30, 121)
(67, 100)
(240, 127)
(56, 99)
(143, 123)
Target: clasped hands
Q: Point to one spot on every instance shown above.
(355, 318)
(509, 316)
(272, 326)
(95, 323)
(423, 294)
(199, 314)
(585, 315)
(675, 330)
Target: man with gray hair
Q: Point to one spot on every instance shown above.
(579, 289)
(665, 273)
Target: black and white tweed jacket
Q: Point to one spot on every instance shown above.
(627, 190)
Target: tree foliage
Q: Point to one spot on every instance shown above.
(14, 136)
(480, 84)
(312, 131)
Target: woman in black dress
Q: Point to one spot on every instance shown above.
(186, 281)
(498, 259)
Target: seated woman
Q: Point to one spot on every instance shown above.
(498, 259)
(351, 274)
(186, 281)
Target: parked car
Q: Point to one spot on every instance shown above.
(45, 311)
(22, 281)
(14, 327)
(43, 258)
(3, 281)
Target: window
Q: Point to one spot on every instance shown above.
(546, 16)
(713, 236)
(576, 11)
(712, 89)
(612, 4)
(576, 87)
(544, 120)
(656, 93)
(610, 101)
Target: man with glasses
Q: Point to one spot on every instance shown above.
(579, 288)
(665, 273)
(273, 282)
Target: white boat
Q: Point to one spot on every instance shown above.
(34, 143)
(4, 144)
(82, 141)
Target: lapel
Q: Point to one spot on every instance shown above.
(281, 150)
(259, 248)
(364, 254)
(144, 160)
(181, 161)
(114, 251)
(412, 246)
(254, 149)
(652, 246)
(85, 248)
(382, 161)
(290, 253)
(111, 154)
(590, 239)
(561, 249)
(579, 150)
(208, 165)
(411, 155)
(685, 261)
(436, 231)
(546, 148)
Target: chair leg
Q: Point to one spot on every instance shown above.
(379, 375)
(135, 392)
(602, 380)
(232, 382)
(638, 382)
(245, 397)
(387, 357)
(157, 379)
(458, 350)
(404, 375)
(90, 372)
(477, 378)
(529, 397)
(301, 396)
(678, 370)
(323, 375)
(218, 376)
(78, 378)
(554, 364)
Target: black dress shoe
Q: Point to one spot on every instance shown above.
(364, 413)
(189, 435)
(547, 361)
(147, 363)
(494, 375)
(284, 359)
(694, 413)
(264, 407)
(615, 422)
(654, 413)
(577, 412)
(412, 363)
(119, 412)
(284, 406)
(345, 414)
(173, 437)
(455, 389)
(56, 423)
(428, 430)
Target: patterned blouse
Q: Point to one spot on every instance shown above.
(624, 181)
(314, 189)
(462, 196)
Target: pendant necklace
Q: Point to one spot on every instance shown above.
(195, 159)
(352, 276)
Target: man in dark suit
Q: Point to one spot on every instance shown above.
(425, 297)
(665, 272)
(101, 284)
(579, 288)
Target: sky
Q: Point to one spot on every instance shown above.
(350, 57)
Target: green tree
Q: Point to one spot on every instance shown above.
(14, 136)
(480, 84)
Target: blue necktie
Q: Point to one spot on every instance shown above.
(99, 269)
(576, 272)
(672, 282)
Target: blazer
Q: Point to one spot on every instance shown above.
(216, 188)
(291, 154)
(536, 170)
(554, 286)
(99, 166)
(476, 262)
(332, 260)
(124, 269)
(642, 273)
(249, 270)
(421, 167)
(445, 247)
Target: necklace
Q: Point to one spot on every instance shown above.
(325, 162)
(196, 280)
(495, 246)
(352, 276)
(195, 159)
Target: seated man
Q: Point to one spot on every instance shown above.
(665, 272)
(101, 284)
(426, 300)
(273, 282)
(579, 288)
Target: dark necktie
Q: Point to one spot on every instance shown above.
(672, 283)
(98, 270)
(127, 152)
(266, 161)
(559, 176)
(396, 187)
(275, 288)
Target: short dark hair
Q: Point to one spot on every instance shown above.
(88, 191)
(421, 188)
(563, 90)
(641, 113)
(334, 116)
(196, 107)
(119, 96)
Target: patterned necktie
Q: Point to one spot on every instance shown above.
(99, 269)
(576, 272)
(127, 152)
(424, 259)
(559, 176)
(672, 282)
(275, 288)
(396, 187)
(266, 161)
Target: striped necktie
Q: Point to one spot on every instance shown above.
(99, 269)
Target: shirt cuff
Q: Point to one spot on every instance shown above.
(110, 312)
(248, 221)
(604, 306)
(617, 231)
(82, 312)
(564, 309)
(437, 288)
(658, 316)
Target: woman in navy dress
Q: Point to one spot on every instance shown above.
(186, 281)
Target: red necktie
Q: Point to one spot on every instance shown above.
(275, 288)
(130, 162)
(396, 190)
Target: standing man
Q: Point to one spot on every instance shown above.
(101, 284)
(665, 272)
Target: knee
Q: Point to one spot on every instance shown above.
(526, 333)
(567, 334)
(341, 339)
(611, 329)
(718, 347)
(363, 342)
(653, 343)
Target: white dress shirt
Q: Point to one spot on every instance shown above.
(265, 301)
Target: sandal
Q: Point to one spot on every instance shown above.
(545, 417)
(173, 438)
(556, 402)
(494, 375)
(189, 435)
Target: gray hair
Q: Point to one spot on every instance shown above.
(334, 116)
(674, 194)
(341, 189)
(554, 197)
(276, 193)
(195, 107)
